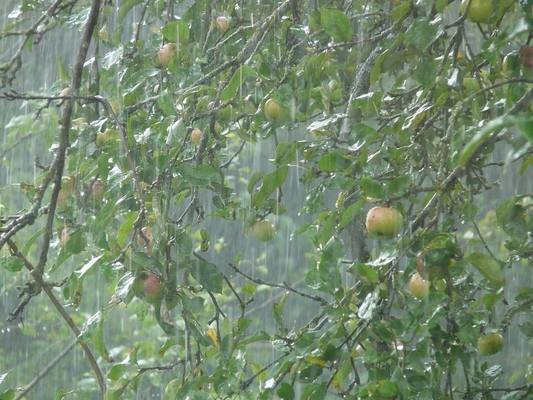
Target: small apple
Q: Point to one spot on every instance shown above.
(526, 56)
(145, 238)
(67, 92)
(383, 222)
(272, 109)
(263, 230)
(97, 191)
(64, 237)
(196, 136)
(490, 344)
(106, 137)
(167, 53)
(478, 10)
(418, 286)
(222, 23)
(147, 286)
(471, 84)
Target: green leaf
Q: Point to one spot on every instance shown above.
(117, 371)
(176, 32)
(125, 8)
(285, 391)
(332, 162)
(88, 266)
(125, 228)
(387, 389)
(8, 395)
(207, 274)
(421, 34)
(237, 80)
(336, 24)
(286, 153)
(12, 264)
(271, 182)
(488, 267)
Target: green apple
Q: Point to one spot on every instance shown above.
(106, 137)
(273, 110)
(263, 230)
(196, 136)
(490, 344)
(418, 286)
(147, 286)
(384, 222)
(478, 10)
(167, 53)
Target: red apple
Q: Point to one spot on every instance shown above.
(97, 191)
(167, 53)
(147, 285)
(145, 238)
(383, 222)
(526, 56)
(222, 23)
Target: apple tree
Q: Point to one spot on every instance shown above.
(268, 199)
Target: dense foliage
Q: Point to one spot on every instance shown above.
(208, 159)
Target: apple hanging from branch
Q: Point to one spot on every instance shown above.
(147, 286)
(384, 222)
(263, 230)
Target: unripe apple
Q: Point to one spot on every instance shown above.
(145, 238)
(490, 344)
(478, 10)
(222, 23)
(263, 230)
(196, 136)
(147, 286)
(167, 53)
(105, 137)
(526, 56)
(383, 222)
(272, 110)
(418, 286)
(64, 237)
(97, 191)
(66, 92)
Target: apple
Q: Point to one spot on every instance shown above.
(67, 92)
(147, 285)
(478, 10)
(97, 191)
(222, 23)
(418, 286)
(196, 136)
(105, 137)
(272, 109)
(383, 222)
(64, 237)
(167, 53)
(263, 230)
(526, 56)
(490, 344)
(145, 238)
